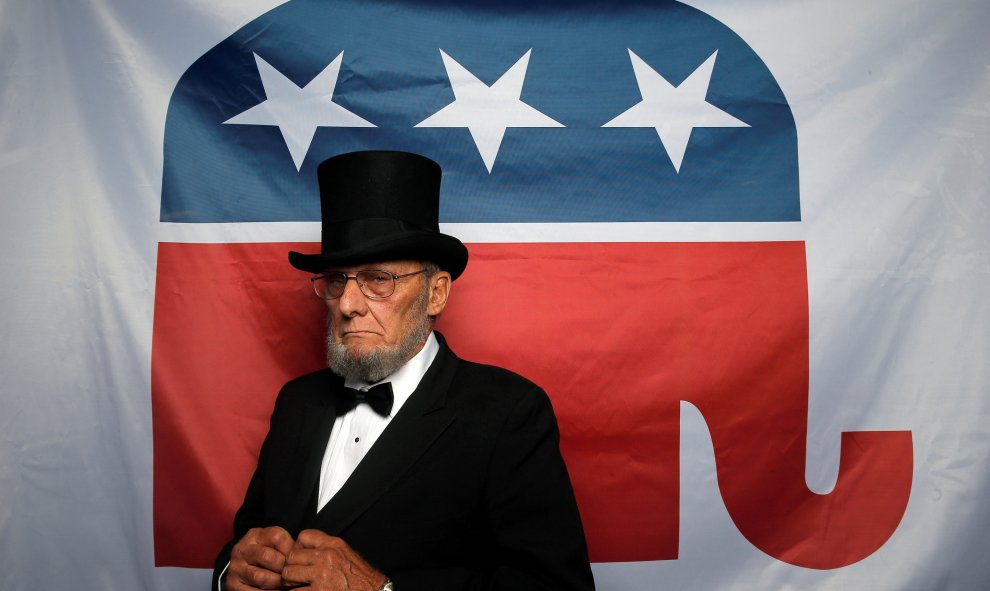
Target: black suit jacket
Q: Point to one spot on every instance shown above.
(465, 488)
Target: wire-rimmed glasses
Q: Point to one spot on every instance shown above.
(373, 283)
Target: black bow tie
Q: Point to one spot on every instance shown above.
(379, 398)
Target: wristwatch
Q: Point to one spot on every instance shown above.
(387, 585)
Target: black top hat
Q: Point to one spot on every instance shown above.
(381, 206)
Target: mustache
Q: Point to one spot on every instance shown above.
(383, 360)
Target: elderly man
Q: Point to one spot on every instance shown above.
(401, 466)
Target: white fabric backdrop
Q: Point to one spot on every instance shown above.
(892, 105)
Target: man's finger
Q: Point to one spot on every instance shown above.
(314, 538)
(253, 577)
(300, 575)
(276, 537)
(264, 556)
(303, 556)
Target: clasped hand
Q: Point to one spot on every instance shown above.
(268, 558)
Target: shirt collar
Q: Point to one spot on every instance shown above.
(405, 379)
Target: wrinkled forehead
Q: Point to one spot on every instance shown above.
(396, 266)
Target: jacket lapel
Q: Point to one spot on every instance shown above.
(318, 418)
(416, 426)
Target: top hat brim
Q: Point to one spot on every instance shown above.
(447, 252)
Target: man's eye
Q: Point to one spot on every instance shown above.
(379, 278)
(336, 281)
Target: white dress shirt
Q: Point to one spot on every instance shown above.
(356, 431)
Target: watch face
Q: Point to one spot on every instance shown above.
(388, 586)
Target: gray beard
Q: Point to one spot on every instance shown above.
(384, 360)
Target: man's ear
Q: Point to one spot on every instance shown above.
(440, 285)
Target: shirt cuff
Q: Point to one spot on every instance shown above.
(220, 578)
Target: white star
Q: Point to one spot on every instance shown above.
(674, 111)
(299, 111)
(487, 111)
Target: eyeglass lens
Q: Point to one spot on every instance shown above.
(374, 284)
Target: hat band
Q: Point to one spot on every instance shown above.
(354, 233)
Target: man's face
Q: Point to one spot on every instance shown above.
(370, 338)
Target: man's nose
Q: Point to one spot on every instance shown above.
(352, 302)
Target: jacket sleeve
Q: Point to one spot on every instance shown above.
(538, 540)
(251, 512)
